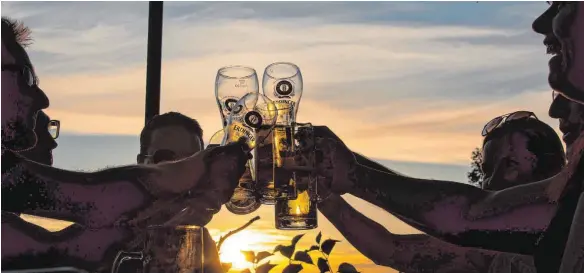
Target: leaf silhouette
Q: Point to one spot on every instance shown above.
(313, 248)
(265, 268)
(347, 268)
(262, 255)
(323, 265)
(226, 266)
(318, 237)
(277, 248)
(249, 256)
(303, 256)
(286, 251)
(327, 246)
(296, 239)
(292, 268)
(245, 271)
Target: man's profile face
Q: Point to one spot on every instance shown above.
(171, 143)
(522, 162)
(43, 151)
(20, 101)
(563, 26)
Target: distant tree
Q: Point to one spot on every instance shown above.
(476, 175)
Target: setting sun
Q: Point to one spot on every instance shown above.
(242, 241)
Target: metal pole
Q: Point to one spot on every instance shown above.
(153, 60)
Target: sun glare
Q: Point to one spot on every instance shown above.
(241, 241)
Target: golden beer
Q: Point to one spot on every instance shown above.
(273, 180)
(244, 200)
(300, 213)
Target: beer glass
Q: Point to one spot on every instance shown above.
(244, 199)
(282, 83)
(273, 180)
(299, 212)
(253, 112)
(231, 84)
(168, 249)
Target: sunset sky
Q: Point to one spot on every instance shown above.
(410, 83)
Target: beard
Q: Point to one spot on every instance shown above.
(562, 85)
(17, 137)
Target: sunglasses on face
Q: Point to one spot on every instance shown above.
(54, 127)
(24, 72)
(159, 156)
(500, 120)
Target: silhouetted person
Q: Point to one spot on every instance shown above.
(115, 203)
(42, 152)
(536, 152)
(510, 220)
(168, 137)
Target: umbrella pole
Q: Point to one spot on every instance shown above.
(153, 60)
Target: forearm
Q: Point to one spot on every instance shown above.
(459, 213)
(27, 246)
(363, 233)
(406, 253)
(92, 199)
(364, 161)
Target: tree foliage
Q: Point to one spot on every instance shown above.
(475, 175)
(297, 259)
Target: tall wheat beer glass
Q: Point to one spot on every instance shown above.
(231, 84)
(289, 189)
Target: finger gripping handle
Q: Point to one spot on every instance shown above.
(126, 256)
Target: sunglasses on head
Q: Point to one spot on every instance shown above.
(500, 120)
(159, 156)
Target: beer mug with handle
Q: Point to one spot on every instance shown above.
(168, 249)
(300, 212)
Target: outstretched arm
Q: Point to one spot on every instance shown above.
(406, 253)
(93, 200)
(461, 213)
(455, 212)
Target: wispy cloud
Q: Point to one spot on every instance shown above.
(412, 86)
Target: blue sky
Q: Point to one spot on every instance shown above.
(398, 81)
